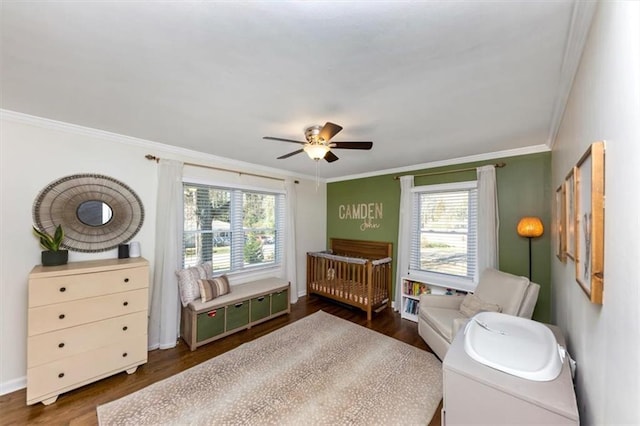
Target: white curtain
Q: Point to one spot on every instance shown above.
(404, 236)
(164, 317)
(289, 269)
(488, 223)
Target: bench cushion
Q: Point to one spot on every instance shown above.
(239, 293)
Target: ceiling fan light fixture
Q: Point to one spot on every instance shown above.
(316, 151)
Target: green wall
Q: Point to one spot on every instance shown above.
(524, 189)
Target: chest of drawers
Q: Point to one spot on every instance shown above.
(86, 321)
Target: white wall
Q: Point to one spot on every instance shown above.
(605, 105)
(35, 152)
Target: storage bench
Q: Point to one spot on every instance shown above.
(245, 306)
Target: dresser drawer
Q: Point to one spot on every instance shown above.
(56, 345)
(43, 319)
(45, 291)
(56, 377)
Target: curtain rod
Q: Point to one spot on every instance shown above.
(157, 160)
(497, 165)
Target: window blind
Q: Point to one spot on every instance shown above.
(444, 235)
(233, 228)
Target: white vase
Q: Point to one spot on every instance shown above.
(134, 249)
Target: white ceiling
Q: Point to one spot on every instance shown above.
(425, 81)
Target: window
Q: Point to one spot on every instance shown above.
(235, 229)
(443, 246)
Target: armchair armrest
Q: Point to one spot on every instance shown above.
(440, 301)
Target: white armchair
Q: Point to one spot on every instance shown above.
(440, 317)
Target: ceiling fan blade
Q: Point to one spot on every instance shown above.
(329, 130)
(290, 154)
(271, 138)
(330, 157)
(352, 145)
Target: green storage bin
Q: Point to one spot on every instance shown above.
(260, 307)
(279, 301)
(237, 315)
(210, 324)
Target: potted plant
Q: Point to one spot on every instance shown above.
(52, 255)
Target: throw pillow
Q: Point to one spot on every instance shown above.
(472, 304)
(207, 267)
(188, 281)
(211, 288)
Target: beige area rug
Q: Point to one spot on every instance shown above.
(318, 370)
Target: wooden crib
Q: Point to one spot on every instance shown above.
(354, 272)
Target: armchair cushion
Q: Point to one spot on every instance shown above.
(472, 304)
(440, 301)
(502, 288)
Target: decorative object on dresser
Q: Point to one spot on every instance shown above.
(97, 212)
(86, 321)
(319, 370)
(441, 317)
(354, 272)
(52, 254)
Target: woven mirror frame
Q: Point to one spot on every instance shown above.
(97, 212)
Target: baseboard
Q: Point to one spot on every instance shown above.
(13, 385)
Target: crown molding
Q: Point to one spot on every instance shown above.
(581, 19)
(194, 156)
(534, 149)
(205, 158)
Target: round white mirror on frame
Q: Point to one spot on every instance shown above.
(97, 212)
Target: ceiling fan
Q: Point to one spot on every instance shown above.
(318, 143)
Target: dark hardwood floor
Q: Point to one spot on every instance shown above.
(78, 407)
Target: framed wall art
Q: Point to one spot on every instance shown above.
(589, 222)
(570, 214)
(560, 222)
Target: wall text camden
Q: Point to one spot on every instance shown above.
(367, 212)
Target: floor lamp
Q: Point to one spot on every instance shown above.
(530, 227)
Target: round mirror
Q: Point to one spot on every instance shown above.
(94, 213)
(97, 212)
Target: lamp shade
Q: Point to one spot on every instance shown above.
(530, 227)
(316, 151)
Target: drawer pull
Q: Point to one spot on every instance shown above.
(260, 299)
(61, 345)
(61, 375)
(61, 316)
(126, 280)
(124, 355)
(125, 328)
(125, 303)
(238, 305)
(63, 289)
